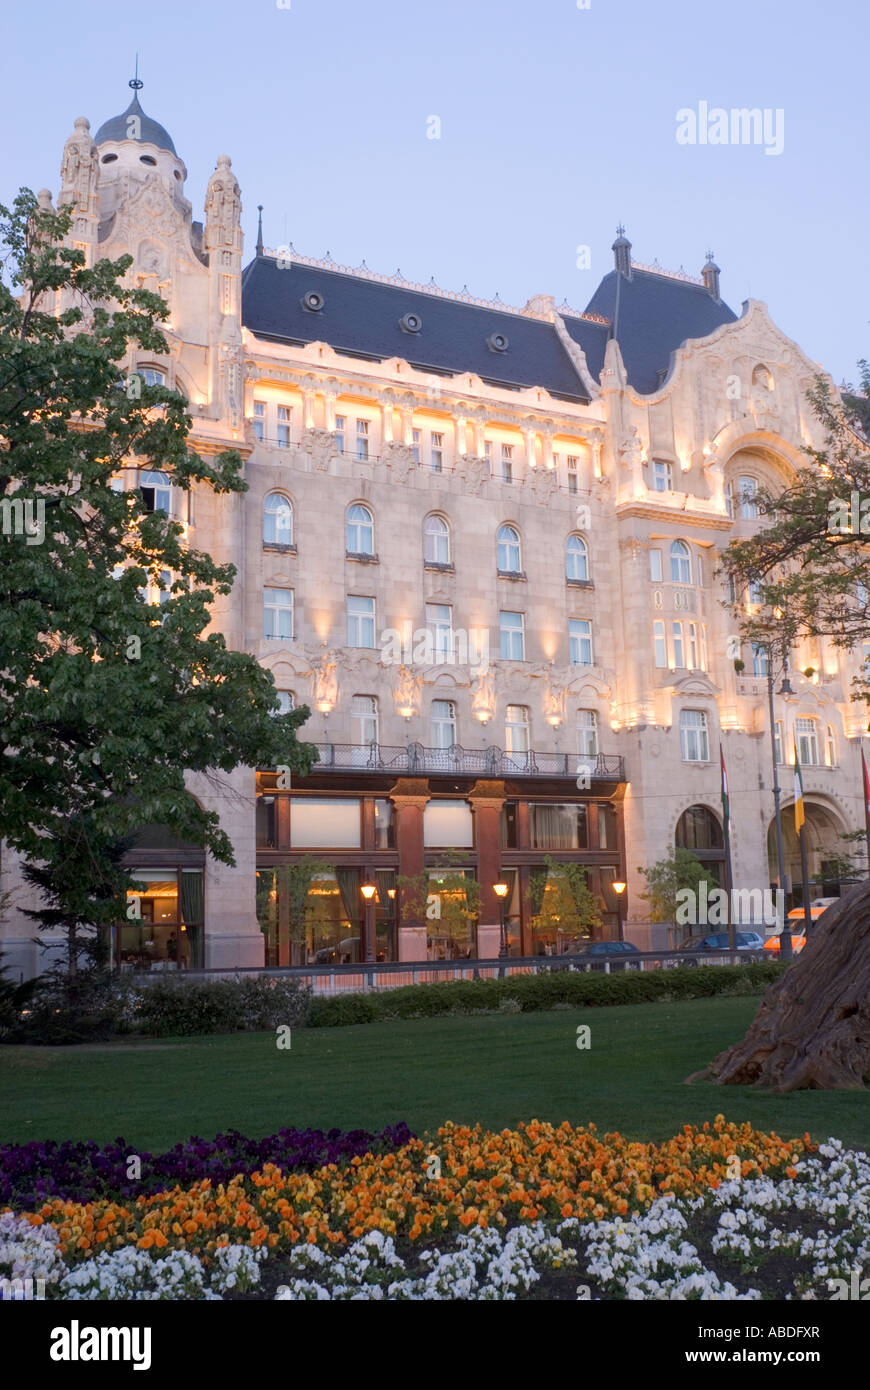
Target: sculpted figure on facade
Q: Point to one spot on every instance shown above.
(79, 168)
(223, 204)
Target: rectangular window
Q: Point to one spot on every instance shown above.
(436, 452)
(384, 833)
(572, 472)
(278, 613)
(442, 724)
(360, 621)
(807, 742)
(362, 439)
(555, 826)
(660, 645)
(693, 647)
(663, 476)
(677, 634)
(777, 741)
(259, 421)
(587, 733)
(324, 822)
(759, 660)
(341, 431)
(284, 417)
(748, 502)
(415, 445)
(512, 636)
(448, 825)
(703, 647)
(363, 721)
(507, 465)
(439, 620)
(655, 566)
(580, 642)
(693, 736)
(516, 729)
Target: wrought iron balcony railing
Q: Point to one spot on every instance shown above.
(457, 761)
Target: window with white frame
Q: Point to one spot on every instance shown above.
(277, 520)
(286, 701)
(360, 530)
(259, 421)
(703, 653)
(576, 559)
(363, 720)
(573, 464)
(516, 729)
(694, 742)
(507, 463)
(341, 432)
(360, 621)
(442, 724)
(830, 746)
(156, 491)
(151, 376)
(681, 563)
(677, 637)
(756, 592)
(693, 656)
(655, 566)
(362, 439)
(439, 620)
(587, 733)
(729, 498)
(660, 645)
(509, 553)
(663, 475)
(807, 739)
(749, 498)
(512, 636)
(436, 541)
(778, 742)
(436, 451)
(278, 613)
(760, 661)
(285, 417)
(579, 642)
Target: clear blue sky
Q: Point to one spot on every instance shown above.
(556, 123)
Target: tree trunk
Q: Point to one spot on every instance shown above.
(812, 1029)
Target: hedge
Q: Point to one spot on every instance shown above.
(544, 991)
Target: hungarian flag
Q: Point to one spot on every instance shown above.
(726, 804)
(799, 816)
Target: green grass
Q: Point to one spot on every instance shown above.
(496, 1069)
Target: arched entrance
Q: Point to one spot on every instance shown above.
(825, 851)
(698, 830)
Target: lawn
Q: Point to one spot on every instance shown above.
(495, 1069)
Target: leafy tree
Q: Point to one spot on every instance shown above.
(105, 698)
(567, 902)
(13, 997)
(812, 559)
(679, 869)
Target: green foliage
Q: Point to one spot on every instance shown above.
(106, 699)
(459, 894)
(549, 990)
(568, 903)
(814, 571)
(179, 1008)
(679, 869)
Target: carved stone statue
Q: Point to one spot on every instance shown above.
(631, 449)
(473, 472)
(324, 683)
(223, 204)
(78, 169)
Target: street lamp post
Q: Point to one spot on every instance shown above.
(368, 891)
(619, 889)
(501, 892)
(785, 950)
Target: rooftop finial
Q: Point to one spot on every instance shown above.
(260, 230)
(621, 249)
(136, 82)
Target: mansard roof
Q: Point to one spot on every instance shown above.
(362, 316)
(655, 314)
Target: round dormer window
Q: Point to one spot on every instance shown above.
(108, 159)
(147, 159)
(178, 175)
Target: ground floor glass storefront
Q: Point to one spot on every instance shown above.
(163, 927)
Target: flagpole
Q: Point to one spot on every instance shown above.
(729, 878)
(800, 821)
(866, 806)
(808, 921)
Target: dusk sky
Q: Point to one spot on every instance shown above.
(556, 123)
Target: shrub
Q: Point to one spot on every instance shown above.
(178, 1008)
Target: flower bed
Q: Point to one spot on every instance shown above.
(462, 1177)
(32, 1173)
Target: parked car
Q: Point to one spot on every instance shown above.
(618, 953)
(721, 941)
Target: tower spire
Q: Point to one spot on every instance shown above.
(260, 229)
(136, 82)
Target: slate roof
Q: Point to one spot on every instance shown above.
(656, 314)
(361, 317)
(152, 132)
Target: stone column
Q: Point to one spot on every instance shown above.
(596, 439)
(409, 797)
(487, 800)
(461, 437)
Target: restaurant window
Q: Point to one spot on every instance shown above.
(450, 923)
(266, 822)
(448, 825)
(558, 826)
(384, 832)
(324, 822)
(606, 826)
(509, 825)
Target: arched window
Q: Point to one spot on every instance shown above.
(277, 520)
(360, 530)
(760, 654)
(576, 558)
(509, 554)
(698, 828)
(436, 541)
(156, 492)
(681, 563)
(748, 498)
(286, 701)
(442, 724)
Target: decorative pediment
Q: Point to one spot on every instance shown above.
(695, 684)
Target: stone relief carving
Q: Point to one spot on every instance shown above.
(543, 483)
(400, 461)
(473, 472)
(321, 448)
